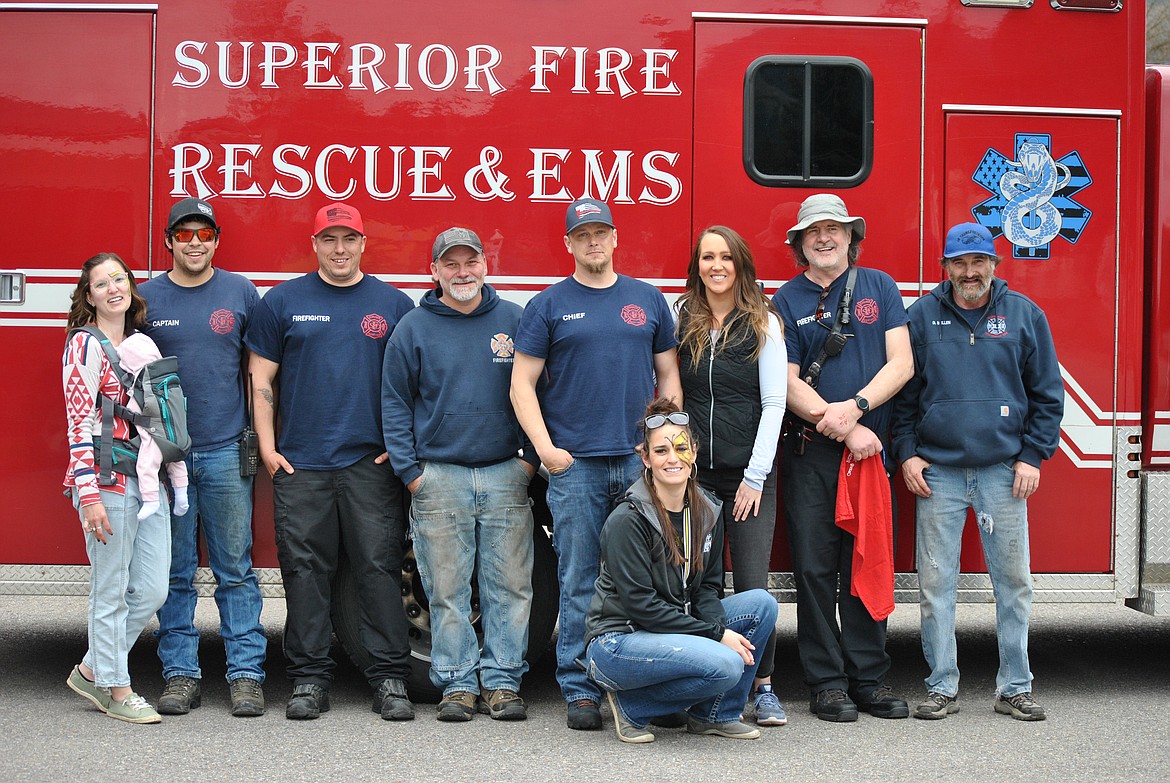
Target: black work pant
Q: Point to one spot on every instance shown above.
(317, 512)
(850, 657)
(750, 541)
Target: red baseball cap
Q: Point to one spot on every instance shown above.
(338, 214)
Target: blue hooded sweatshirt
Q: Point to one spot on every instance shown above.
(445, 382)
(984, 391)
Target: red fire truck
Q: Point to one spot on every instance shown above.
(680, 114)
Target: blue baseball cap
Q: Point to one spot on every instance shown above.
(587, 210)
(969, 238)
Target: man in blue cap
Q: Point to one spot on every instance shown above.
(971, 429)
(584, 423)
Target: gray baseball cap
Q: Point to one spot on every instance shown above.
(824, 206)
(454, 237)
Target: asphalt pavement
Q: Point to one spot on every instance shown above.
(1102, 672)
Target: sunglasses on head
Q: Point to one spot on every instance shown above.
(187, 234)
(679, 419)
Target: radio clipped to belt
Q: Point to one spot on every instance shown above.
(249, 443)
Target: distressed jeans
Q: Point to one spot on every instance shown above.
(127, 582)
(221, 500)
(1003, 529)
(580, 499)
(469, 522)
(659, 674)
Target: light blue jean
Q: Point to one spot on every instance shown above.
(221, 500)
(580, 498)
(1003, 529)
(659, 674)
(127, 582)
(467, 521)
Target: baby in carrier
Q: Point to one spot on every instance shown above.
(135, 352)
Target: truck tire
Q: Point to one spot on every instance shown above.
(541, 623)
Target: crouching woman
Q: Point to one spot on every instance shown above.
(658, 638)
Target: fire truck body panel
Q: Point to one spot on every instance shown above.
(679, 117)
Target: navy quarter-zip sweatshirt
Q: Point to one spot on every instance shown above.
(985, 390)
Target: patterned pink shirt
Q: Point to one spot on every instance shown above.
(86, 373)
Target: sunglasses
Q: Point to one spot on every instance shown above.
(187, 234)
(679, 419)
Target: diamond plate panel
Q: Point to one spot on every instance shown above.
(74, 580)
(1127, 497)
(1156, 527)
(976, 588)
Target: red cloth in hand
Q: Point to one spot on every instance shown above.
(864, 511)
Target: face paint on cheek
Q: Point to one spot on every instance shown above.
(683, 449)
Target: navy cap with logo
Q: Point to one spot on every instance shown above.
(968, 238)
(191, 209)
(587, 210)
(455, 237)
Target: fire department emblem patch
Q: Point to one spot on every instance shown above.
(502, 345)
(866, 311)
(222, 321)
(996, 326)
(374, 326)
(634, 315)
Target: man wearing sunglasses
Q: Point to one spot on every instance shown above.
(584, 423)
(198, 313)
(863, 363)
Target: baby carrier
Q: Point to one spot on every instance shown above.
(160, 396)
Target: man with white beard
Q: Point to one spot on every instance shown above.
(454, 441)
(971, 428)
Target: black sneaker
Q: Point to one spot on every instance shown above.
(584, 715)
(937, 706)
(247, 697)
(1021, 707)
(833, 704)
(391, 701)
(307, 702)
(882, 703)
(180, 696)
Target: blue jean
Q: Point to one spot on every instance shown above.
(127, 582)
(466, 521)
(580, 498)
(1003, 529)
(221, 500)
(659, 674)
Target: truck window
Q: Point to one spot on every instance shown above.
(808, 121)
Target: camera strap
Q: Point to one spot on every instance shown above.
(835, 338)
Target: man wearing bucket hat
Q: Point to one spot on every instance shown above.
(317, 344)
(843, 367)
(971, 429)
(584, 422)
(454, 441)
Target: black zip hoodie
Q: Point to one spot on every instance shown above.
(638, 590)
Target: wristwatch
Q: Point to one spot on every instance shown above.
(862, 404)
